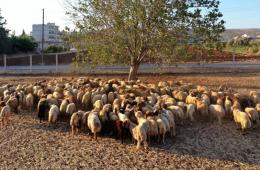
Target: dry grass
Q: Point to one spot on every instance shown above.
(26, 144)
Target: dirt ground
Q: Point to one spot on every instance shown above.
(26, 144)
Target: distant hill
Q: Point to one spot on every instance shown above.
(231, 33)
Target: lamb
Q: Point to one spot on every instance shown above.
(241, 119)
(4, 115)
(253, 114)
(53, 114)
(76, 121)
(217, 111)
(191, 111)
(104, 99)
(94, 123)
(29, 100)
(71, 108)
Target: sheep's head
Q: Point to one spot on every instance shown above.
(139, 114)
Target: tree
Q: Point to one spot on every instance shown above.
(134, 31)
(22, 43)
(4, 40)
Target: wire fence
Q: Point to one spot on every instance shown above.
(63, 63)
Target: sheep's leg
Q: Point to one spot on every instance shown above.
(158, 139)
(145, 145)
(163, 136)
(72, 130)
(77, 130)
(95, 135)
(219, 121)
(2, 123)
(138, 145)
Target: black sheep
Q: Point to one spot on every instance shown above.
(42, 108)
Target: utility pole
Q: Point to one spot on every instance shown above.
(42, 33)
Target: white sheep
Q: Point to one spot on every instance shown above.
(53, 114)
(76, 120)
(86, 99)
(241, 119)
(94, 123)
(258, 108)
(253, 114)
(254, 96)
(63, 106)
(170, 117)
(228, 105)
(217, 111)
(71, 108)
(4, 115)
(191, 111)
(162, 129)
(29, 100)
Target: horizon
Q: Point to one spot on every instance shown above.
(55, 12)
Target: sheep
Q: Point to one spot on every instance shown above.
(13, 102)
(241, 119)
(179, 95)
(190, 99)
(170, 117)
(153, 127)
(86, 99)
(178, 112)
(161, 129)
(4, 115)
(191, 111)
(254, 96)
(202, 107)
(71, 108)
(217, 111)
(98, 105)
(104, 99)
(205, 98)
(63, 106)
(253, 114)
(140, 135)
(29, 100)
(53, 114)
(42, 108)
(228, 105)
(76, 121)
(94, 123)
(258, 108)
(110, 97)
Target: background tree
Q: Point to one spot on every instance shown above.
(134, 31)
(23, 43)
(4, 39)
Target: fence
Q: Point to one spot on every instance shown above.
(62, 63)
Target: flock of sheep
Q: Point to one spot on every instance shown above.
(134, 109)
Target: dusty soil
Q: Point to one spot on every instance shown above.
(26, 144)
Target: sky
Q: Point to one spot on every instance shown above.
(21, 14)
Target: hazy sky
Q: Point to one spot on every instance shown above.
(21, 14)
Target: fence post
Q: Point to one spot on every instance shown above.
(30, 63)
(57, 63)
(5, 62)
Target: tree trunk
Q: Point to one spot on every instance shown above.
(133, 72)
